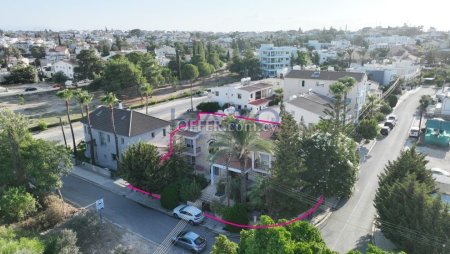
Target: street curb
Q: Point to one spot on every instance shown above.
(325, 218)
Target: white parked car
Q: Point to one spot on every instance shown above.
(392, 117)
(189, 213)
(439, 171)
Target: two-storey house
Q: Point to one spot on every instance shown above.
(131, 127)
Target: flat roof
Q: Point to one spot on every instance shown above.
(255, 87)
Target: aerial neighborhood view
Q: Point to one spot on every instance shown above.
(236, 127)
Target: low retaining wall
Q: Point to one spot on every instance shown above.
(95, 169)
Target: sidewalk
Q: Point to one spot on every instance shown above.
(120, 187)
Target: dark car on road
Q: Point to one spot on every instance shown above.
(390, 124)
(191, 241)
(29, 89)
(385, 130)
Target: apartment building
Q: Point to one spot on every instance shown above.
(275, 61)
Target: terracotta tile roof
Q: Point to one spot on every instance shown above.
(260, 101)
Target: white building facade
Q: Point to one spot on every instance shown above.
(131, 127)
(299, 82)
(275, 61)
(251, 97)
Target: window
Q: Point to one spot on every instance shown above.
(239, 96)
(153, 134)
(122, 140)
(164, 132)
(303, 83)
(217, 93)
(216, 171)
(114, 157)
(109, 139)
(251, 95)
(102, 138)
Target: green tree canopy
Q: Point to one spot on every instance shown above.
(22, 74)
(224, 246)
(90, 66)
(120, 73)
(331, 162)
(300, 237)
(368, 128)
(141, 166)
(404, 188)
(189, 72)
(60, 77)
(27, 161)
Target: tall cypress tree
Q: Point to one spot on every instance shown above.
(407, 214)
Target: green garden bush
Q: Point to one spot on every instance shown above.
(237, 214)
(169, 197)
(380, 116)
(190, 191)
(63, 242)
(208, 106)
(392, 100)
(386, 109)
(16, 204)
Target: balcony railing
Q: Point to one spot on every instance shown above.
(264, 165)
(192, 151)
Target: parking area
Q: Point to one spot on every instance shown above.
(438, 157)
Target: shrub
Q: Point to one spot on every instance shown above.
(11, 242)
(380, 116)
(385, 109)
(87, 226)
(368, 129)
(201, 180)
(16, 204)
(42, 125)
(55, 212)
(190, 191)
(208, 106)
(237, 214)
(64, 242)
(169, 197)
(392, 100)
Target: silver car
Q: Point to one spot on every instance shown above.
(189, 213)
(190, 240)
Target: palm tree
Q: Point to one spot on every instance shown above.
(77, 95)
(85, 98)
(349, 52)
(362, 53)
(371, 99)
(239, 143)
(337, 89)
(147, 90)
(110, 100)
(424, 101)
(67, 95)
(349, 82)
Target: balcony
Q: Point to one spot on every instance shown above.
(262, 165)
(192, 151)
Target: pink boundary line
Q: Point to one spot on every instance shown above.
(168, 154)
(280, 224)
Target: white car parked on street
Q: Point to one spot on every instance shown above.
(189, 213)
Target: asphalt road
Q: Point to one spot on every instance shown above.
(350, 226)
(150, 224)
(167, 111)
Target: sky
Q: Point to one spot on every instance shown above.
(221, 16)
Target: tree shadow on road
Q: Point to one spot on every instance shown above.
(361, 245)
